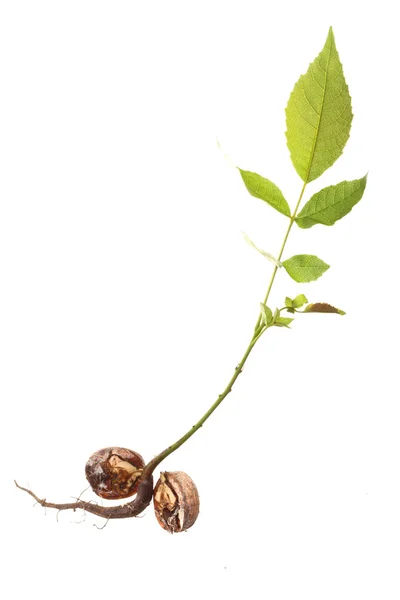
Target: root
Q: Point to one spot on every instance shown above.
(123, 511)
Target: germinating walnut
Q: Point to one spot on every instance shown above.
(113, 473)
(176, 501)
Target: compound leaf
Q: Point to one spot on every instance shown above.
(318, 114)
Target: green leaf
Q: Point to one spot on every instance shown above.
(299, 301)
(332, 203)
(318, 114)
(264, 189)
(305, 267)
(266, 314)
(288, 302)
(289, 305)
(323, 307)
(282, 321)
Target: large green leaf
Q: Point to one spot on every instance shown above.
(332, 203)
(264, 189)
(305, 267)
(318, 114)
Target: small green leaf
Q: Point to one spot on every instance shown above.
(264, 189)
(318, 115)
(266, 314)
(282, 321)
(332, 203)
(323, 307)
(299, 301)
(288, 302)
(305, 267)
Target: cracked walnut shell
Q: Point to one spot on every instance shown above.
(176, 501)
(114, 473)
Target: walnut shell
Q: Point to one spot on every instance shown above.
(113, 473)
(176, 501)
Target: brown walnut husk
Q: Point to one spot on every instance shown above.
(113, 473)
(176, 501)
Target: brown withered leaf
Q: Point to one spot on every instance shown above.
(323, 307)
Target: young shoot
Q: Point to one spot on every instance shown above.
(318, 121)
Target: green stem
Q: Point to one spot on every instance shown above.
(148, 470)
(274, 272)
(258, 331)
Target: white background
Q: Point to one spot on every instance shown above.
(128, 296)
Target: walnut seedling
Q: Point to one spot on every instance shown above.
(318, 120)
